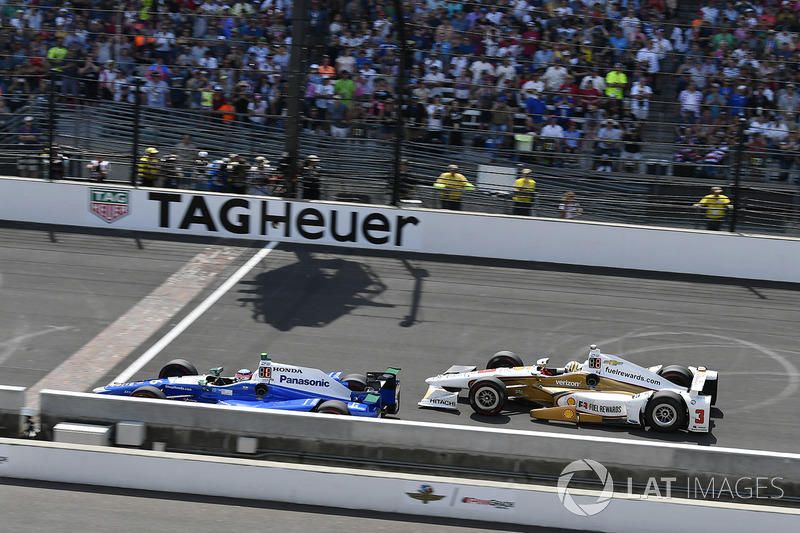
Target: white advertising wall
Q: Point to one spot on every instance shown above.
(412, 230)
(377, 491)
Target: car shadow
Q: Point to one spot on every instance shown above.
(314, 291)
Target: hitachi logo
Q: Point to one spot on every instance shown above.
(442, 401)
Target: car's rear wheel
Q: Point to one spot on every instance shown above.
(177, 368)
(488, 396)
(148, 391)
(504, 359)
(665, 412)
(333, 407)
(679, 375)
(355, 382)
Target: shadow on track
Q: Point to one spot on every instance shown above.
(311, 292)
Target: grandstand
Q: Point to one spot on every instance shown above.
(715, 106)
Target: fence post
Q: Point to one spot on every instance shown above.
(295, 91)
(737, 174)
(137, 104)
(51, 122)
(401, 93)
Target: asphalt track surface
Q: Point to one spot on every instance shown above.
(356, 311)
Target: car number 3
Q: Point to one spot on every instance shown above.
(700, 416)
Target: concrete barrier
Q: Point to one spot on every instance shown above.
(182, 425)
(394, 492)
(12, 401)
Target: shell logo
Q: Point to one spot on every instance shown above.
(569, 414)
(570, 401)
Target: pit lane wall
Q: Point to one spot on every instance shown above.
(410, 230)
(491, 451)
(374, 491)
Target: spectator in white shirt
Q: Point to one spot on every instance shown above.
(640, 99)
(598, 82)
(690, 99)
(480, 69)
(648, 57)
(505, 72)
(555, 76)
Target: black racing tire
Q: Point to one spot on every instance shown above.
(679, 375)
(504, 359)
(177, 368)
(333, 407)
(261, 389)
(488, 396)
(666, 412)
(148, 391)
(592, 380)
(355, 382)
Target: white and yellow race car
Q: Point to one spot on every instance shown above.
(604, 388)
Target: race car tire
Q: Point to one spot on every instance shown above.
(488, 396)
(355, 382)
(665, 412)
(504, 359)
(679, 375)
(333, 407)
(177, 368)
(261, 389)
(149, 392)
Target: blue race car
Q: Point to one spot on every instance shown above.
(274, 386)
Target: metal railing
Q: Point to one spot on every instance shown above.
(650, 191)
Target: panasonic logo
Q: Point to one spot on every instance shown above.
(305, 382)
(566, 383)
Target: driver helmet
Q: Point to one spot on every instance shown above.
(572, 366)
(243, 374)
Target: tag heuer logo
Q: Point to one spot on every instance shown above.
(109, 204)
(425, 494)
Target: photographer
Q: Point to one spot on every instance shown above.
(98, 169)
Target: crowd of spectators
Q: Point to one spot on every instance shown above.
(579, 75)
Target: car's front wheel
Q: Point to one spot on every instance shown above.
(148, 391)
(488, 396)
(333, 407)
(665, 412)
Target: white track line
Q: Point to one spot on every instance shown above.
(154, 350)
